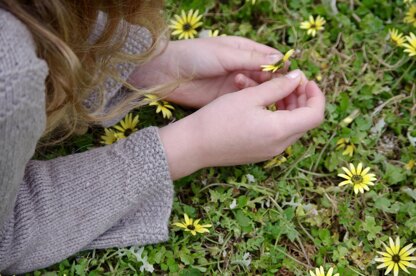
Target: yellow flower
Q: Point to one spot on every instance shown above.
(185, 25)
(396, 37)
(411, 15)
(409, 165)
(359, 178)
(346, 145)
(276, 161)
(396, 257)
(253, 2)
(313, 25)
(215, 33)
(111, 136)
(319, 77)
(193, 226)
(289, 151)
(274, 67)
(321, 272)
(161, 106)
(128, 125)
(288, 55)
(411, 46)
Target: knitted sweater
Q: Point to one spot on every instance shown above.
(113, 196)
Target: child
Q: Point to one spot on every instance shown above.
(61, 69)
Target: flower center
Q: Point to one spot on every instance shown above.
(313, 26)
(187, 27)
(356, 179)
(191, 227)
(396, 258)
(128, 131)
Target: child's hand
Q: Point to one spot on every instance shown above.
(212, 62)
(237, 128)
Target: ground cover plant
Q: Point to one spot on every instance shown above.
(342, 200)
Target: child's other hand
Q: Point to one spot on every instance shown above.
(238, 129)
(212, 62)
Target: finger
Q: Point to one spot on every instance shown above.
(291, 101)
(301, 92)
(275, 89)
(285, 68)
(241, 81)
(236, 59)
(258, 76)
(310, 116)
(302, 100)
(292, 139)
(281, 105)
(243, 43)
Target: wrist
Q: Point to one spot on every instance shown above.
(182, 146)
(154, 71)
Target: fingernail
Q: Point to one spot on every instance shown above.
(273, 58)
(293, 74)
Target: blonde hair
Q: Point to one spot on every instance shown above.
(61, 29)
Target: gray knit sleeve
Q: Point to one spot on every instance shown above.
(117, 195)
(138, 40)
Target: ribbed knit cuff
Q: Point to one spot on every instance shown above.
(152, 190)
(113, 196)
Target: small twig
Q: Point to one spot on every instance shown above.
(334, 7)
(356, 17)
(303, 250)
(323, 150)
(314, 173)
(356, 271)
(306, 232)
(389, 101)
(293, 258)
(216, 184)
(404, 74)
(305, 155)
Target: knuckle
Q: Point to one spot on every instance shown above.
(253, 55)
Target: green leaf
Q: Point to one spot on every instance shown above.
(371, 228)
(394, 174)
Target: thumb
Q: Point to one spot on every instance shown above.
(276, 89)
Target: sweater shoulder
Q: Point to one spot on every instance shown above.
(22, 72)
(17, 47)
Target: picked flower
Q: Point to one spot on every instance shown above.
(396, 37)
(185, 25)
(215, 33)
(346, 145)
(360, 179)
(321, 272)
(313, 25)
(111, 136)
(274, 67)
(411, 15)
(411, 46)
(276, 161)
(409, 165)
(395, 257)
(161, 106)
(128, 125)
(193, 226)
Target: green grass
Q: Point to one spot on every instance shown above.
(294, 217)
